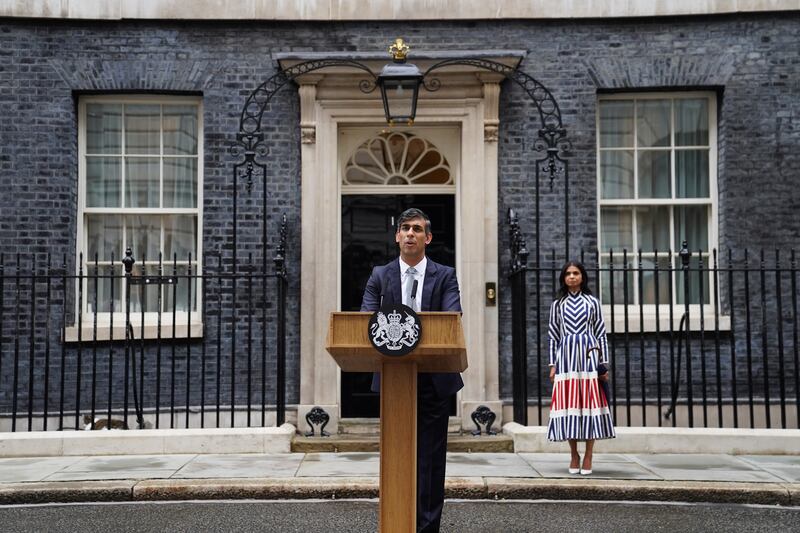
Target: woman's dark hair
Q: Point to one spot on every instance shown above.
(563, 290)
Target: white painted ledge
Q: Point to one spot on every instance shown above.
(340, 10)
(148, 442)
(533, 439)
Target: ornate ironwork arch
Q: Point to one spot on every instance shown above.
(551, 136)
(250, 137)
(249, 144)
(551, 139)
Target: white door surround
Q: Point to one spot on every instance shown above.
(331, 101)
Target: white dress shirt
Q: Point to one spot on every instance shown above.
(420, 275)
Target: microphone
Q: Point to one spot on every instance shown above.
(383, 292)
(414, 293)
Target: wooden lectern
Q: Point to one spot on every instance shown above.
(441, 349)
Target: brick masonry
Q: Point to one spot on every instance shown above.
(752, 61)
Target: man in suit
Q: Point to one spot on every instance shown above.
(437, 290)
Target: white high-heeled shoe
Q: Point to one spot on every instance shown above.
(585, 472)
(574, 470)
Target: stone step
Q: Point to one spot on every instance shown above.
(371, 426)
(370, 443)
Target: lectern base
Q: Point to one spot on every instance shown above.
(398, 486)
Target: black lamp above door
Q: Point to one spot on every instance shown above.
(399, 82)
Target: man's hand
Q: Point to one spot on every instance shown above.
(552, 374)
(604, 377)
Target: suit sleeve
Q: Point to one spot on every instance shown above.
(554, 332)
(372, 293)
(451, 296)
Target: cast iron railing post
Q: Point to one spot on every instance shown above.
(127, 262)
(764, 337)
(779, 325)
(686, 256)
(280, 272)
(519, 339)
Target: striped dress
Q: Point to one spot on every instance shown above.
(579, 409)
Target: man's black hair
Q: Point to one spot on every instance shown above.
(413, 212)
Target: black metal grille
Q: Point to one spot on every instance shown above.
(723, 353)
(222, 364)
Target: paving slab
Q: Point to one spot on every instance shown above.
(32, 468)
(278, 465)
(606, 466)
(110, 474)
(563, 458)
(132, 463)
(339, 465)
(704, 467)
(786, 467)
(488, 464)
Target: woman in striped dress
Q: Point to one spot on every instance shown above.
(579, 408)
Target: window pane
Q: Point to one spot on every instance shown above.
(691, 173)
(649, 289)
(103, 182)
(144, 236)
(143, 129)
(178, 295)
(617, 228)
(695, 278)
(616, 123)
(619, 283)
(691, 225)
(103, 129)
(144, 295)
(180, 182)
(654, 175)
(141, 182)
(107, 280)
(104, 236)
(180, 129)
(180, 237)
(652, 122)
(691, 122)
(653, 228)
(616, 174)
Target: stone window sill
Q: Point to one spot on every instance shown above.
(151, 332)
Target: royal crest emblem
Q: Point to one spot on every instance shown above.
(394, 330)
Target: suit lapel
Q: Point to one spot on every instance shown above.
(427, 287)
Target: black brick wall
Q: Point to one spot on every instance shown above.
(752, 61)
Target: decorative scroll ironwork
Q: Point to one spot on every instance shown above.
(552, 136)
(551, 141)
(318, 417)
(250, 138)
(519, 252)
(249, 145)
(483, 416)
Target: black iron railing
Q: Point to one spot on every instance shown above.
(694, 339)
(139, 343)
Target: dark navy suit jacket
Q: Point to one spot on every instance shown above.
(439, 293)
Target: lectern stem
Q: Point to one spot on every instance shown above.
(398, 485)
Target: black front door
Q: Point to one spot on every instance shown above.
(368, 228)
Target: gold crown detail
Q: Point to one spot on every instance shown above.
(399, 49)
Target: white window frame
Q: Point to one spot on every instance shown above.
(648, 311)
(181, 328)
